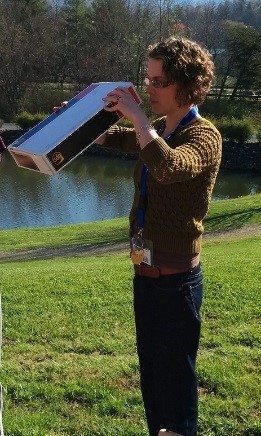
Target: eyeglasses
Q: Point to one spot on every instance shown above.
(157, 83)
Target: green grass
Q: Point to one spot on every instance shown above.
(111, 231)
(234, 213)
(223, 214)
(69, 360)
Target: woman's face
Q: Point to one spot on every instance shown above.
(162, 99)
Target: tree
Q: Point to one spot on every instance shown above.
(110, 51)
(22, 47)
(76, 25)
(242, 56)
(82, 41)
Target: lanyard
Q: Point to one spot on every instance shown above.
(144, 173)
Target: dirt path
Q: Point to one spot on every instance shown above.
(63, 251)
(93, 250)
(219, 235)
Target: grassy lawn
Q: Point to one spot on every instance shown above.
(223, 214)
(69, 360)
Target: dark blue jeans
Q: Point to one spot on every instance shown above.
(167, 330)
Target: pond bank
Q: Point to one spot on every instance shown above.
(243, 157)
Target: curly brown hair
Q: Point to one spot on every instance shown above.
(188, 64)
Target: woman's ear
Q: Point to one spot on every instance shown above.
(178, 94)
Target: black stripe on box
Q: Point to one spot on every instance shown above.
(81, 138)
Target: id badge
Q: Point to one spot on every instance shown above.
(137, 251)
(141, 251)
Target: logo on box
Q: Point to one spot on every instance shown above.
(57, 158)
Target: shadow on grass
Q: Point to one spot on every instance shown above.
(231, 220)
(65, 251)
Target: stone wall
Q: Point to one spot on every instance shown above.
(245, 157)
(9, 136)
(241, 156)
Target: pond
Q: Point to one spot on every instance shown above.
(90, 188)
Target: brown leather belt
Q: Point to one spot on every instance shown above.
(154, 271)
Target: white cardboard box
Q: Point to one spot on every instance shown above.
(63, 135)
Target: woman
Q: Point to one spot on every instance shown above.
(179, 157)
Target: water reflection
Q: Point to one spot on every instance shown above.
(89, 189)
(232, 184)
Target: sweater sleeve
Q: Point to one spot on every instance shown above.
(191, 152)
(124, 139)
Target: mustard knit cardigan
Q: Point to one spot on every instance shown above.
(180, 181)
